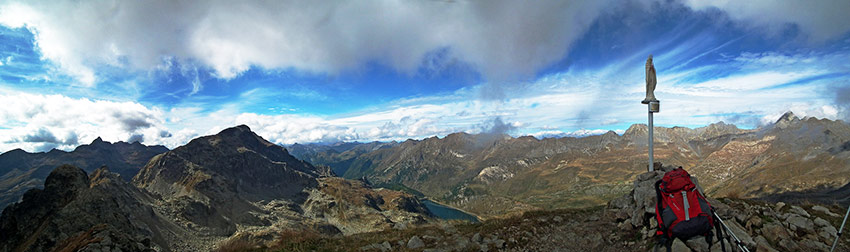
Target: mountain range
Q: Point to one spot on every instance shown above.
(235, 186)
(491, 175)
(21, 171)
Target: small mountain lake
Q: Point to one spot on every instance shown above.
(447, 212)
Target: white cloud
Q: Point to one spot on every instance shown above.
(753, 81)
(42, 122)
(496, 37)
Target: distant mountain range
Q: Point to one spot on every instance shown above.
(496, 174)
(214, 190)
(21, 171)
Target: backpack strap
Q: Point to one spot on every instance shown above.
(665, 240)
(658, 208)
(687, 207)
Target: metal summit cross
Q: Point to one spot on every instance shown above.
(653, 104)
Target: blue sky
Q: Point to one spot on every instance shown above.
(166, 72)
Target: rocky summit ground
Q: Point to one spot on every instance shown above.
(625, 224)
(761, 226)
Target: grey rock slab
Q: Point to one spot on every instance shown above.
(778, 206)
(801, 224)
(825, 210)
(697, 243)
(800, 211)
(678, 245)
(821, 222)
(476, 238)
(742, 234)
(775, 232)
(827, 233)
(789, 245)
(764, 245)
(415, 242)
(811, 245)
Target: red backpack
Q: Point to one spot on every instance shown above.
(681, 210)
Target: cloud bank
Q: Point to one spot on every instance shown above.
(498, 38)
(42, 122)
(503, 40)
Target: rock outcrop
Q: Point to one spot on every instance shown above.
(75, 212)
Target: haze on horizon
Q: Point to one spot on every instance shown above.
(164, 72)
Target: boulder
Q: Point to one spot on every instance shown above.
(741, 234)
(821, 222)
(764, 245)
(621, 202)
(775, 233)
(801, 225)
(476, 238)
(827, 233)
(825, 211)
(812, 245)
(697, 243)
(800, 211)
(415, 242)
(678, 245)
(789, 245)
(644, 192)
(754, 222)
(778, 207)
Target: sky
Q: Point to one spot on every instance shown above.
(165, 72)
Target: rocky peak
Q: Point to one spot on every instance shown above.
(786, 120)
(239, 139)
(788, 117)
(98, 142)
(103, 175)
(636, 130)
(235, 161)
(66, 179)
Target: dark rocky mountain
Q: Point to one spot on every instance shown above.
(232, 186)
(497, 174)
(77, 212)
(21, 171)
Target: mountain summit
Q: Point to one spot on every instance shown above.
(234, 162)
